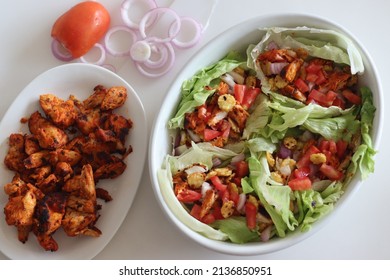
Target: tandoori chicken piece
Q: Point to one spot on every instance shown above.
(61, 113)
(81, 210)
(48, 135)
(19, 210)
(48, 217)
(15, 156)
(115, 98)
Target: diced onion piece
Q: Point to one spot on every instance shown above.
(284, 152)
(216, 162)
(125, 7)
(205, 187)
(228, 79)
(237, 158)
(237, 77)
(241, 202)
(195, 169)
(276, 67)
(194, 137)
(266, 234)
(101, 58)
(285, 170)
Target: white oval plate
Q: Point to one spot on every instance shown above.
(238, 38)
(77, 79)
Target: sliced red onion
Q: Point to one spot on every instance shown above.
(157, 12)
(241, 202)
(191, 42)
(162, 57)
(276, 67)
(101, 58)
(284, 152)
(60, 52)
(216, 162)
(205, 187)
(153, 72)
(272, 46)
(237, 158)
(266, 234)
(195, 169)
(237, 77)
(125, 7)
(113, 30)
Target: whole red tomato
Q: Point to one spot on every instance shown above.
(81, 27)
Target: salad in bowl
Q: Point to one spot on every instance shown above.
(265, 142)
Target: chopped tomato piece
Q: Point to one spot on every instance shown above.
(321, 78)
(341, 148)
(242, 169)
(210, 134)
(322, 98)
(250, 213)
(351, 97)
(195, 211)
(301, 172)
(313, 67)
(301, 85)
(239, 92)
(339, 102)
(208, 219)
(305, 159)
(250, 95)
(311, 77)
(245, 95)
(188, 196)
(331, 172)
(217, 183)
(300, 184)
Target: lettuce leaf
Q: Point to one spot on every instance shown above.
(236, 229)
(313, 205)
(194, 92)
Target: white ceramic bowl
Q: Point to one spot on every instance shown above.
(78, 79)
(238, 38)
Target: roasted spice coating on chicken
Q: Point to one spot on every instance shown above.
(71, 146)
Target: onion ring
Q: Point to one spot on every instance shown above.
(162, 59)
(158, 71)
(113, 30)
(155, 13)
(60, 52)
(194, 40)
(102, 57)
(126, 6)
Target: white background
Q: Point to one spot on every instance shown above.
(360, 231)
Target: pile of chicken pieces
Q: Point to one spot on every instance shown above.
(71, 146)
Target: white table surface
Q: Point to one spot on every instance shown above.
(360, 231)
